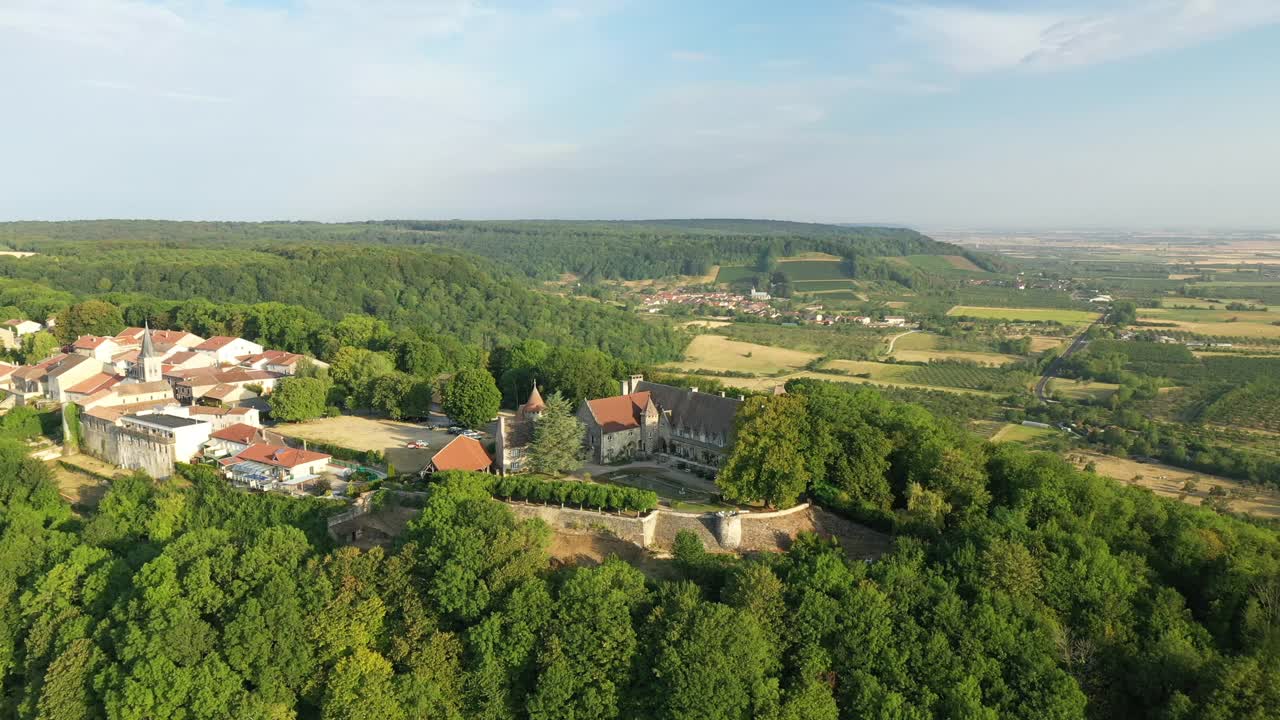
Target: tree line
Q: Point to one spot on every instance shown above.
(1043, 592)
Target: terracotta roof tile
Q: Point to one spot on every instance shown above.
(462, 453)
(238, 433)
(620, 412)
(280, 456)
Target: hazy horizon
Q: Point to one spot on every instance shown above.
(982, 115)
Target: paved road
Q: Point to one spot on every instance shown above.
(1050, 372)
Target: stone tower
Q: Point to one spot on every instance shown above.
(147, 368)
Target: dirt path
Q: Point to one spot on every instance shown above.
(895, 339)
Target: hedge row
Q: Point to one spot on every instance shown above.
(581, 494)
(364, 457)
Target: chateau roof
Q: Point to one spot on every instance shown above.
(462, 453)
(620, 412)
(697, 410)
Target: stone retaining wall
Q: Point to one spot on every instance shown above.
(638, 530)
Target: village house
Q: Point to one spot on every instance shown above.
(278, 361)
(264, 466)
(225, 350)
(12, 331)
(234, 439)
(220, 417)
(27, 383)
(218, 386)
(68, 372)
(102, 349)
(163, 339)
(655, 419)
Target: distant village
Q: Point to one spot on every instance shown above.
(758, 304)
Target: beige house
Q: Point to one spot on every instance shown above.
(12, 331)
(69, 372)
(225, 350)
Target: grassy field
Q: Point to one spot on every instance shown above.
(719, 353)
(729, 274)
(944, 264)
(808, 270)
(1066, 317)
(1228, 323)
(1168, 481)
(820, 285)
(1081, 391)
(923, 347)
(1033, 437)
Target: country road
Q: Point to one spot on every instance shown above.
(1077, 344)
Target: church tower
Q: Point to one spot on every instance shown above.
(147, 367)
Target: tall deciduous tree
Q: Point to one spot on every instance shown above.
(471, 397)
(296, 399)
(771, 455)
(37, 346)
(557, 438)
(91, 317)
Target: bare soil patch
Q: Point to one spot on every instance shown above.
(364, 433)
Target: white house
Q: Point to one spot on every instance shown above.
(102, 349)
(11, 332)
(225, 350)
(232, 440)
(263, 465)
(187, 435)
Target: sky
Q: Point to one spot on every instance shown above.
(1021, 113)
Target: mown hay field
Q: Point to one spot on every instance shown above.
(1016, 314)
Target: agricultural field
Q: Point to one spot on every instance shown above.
(1035, 438)
(721, 354)
(1256, 405)
(729, 274)
(944, 264)
(1015, 314)
(968, 376)
(809, 270)
(1081, 391)
(1218, 323)
(1169, 481)
(923, 347)
(846, 342)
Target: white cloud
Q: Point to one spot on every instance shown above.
(976, 40)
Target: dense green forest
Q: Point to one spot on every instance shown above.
(539, 249)
(1019, 588)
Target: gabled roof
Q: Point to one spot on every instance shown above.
(144, 388)
(238, 433)
(93, 384)
(620, 412)
(217, 342)
(6, 369)
(462, 453)
(279, 455)
(91, 342)
(69, 362)
(708, 412)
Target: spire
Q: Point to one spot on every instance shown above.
(148, 350)
(535, 403)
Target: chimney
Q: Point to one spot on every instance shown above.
(721, 393)
(741, 398)
(626, 387)
(693, 389)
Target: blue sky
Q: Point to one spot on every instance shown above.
(938, 114)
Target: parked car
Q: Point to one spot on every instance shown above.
(456, 430)
(416, 444)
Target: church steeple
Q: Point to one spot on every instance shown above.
(147, 367)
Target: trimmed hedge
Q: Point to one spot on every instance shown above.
(583, 494)
(364, 457)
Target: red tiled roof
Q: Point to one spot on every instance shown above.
(6, 369)
(93, 384)
(182, 356)
(90, 342)
(216, 342)
(238, 433)
(462, 453)
(620, 412)
(279, 455)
